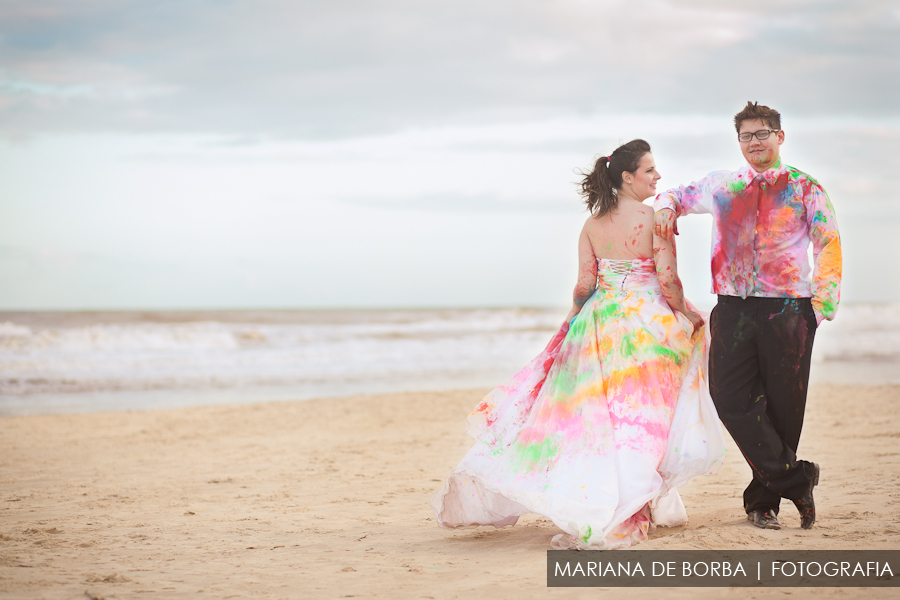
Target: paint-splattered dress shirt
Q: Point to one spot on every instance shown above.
(763, 224)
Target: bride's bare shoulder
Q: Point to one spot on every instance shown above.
(644, 213)
(636, 211)
(633, 213)
(641, 208)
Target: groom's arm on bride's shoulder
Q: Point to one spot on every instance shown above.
(694, 198)
(665, 257)
(827, 261)
(587, 274)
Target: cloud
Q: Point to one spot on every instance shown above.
(325, 69)
(425, 144)
(465, 203)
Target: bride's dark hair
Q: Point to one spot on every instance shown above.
(599, 186)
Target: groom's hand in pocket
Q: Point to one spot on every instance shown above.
(664, 223)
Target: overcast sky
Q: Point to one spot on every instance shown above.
(390, 153)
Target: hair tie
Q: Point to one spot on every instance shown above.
(609, 158)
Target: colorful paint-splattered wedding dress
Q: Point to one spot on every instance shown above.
(598, 430)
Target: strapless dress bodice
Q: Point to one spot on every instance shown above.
(627, 275)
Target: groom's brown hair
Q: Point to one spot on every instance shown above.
(753, 111)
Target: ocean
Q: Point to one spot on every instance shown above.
(64, 362)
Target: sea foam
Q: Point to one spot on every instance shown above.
(306, 353)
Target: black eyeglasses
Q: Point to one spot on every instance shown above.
(760, 135)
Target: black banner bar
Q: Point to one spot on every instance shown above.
(723, 568)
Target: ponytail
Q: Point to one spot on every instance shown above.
(599, 187)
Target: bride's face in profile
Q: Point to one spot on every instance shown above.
(642, 183)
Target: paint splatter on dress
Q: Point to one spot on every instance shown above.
(598, 430)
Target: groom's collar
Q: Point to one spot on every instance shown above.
(771, 175)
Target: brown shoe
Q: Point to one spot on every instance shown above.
(764, 519)
(806, 505)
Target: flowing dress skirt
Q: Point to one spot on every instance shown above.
(598, 430)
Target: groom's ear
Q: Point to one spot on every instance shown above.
(780, 135)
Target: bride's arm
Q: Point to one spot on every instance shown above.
(667, 270)
(587, 274)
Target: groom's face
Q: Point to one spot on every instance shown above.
(761, 154)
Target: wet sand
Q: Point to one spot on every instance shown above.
(329, 499)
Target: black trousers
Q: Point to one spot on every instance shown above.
(758, 378)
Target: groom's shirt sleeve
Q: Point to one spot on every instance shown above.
(694, 198)
(826, 243)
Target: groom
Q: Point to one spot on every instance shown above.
(764, 217)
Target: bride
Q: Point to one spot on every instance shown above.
(599, 430)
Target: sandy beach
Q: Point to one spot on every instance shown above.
(329, 499)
